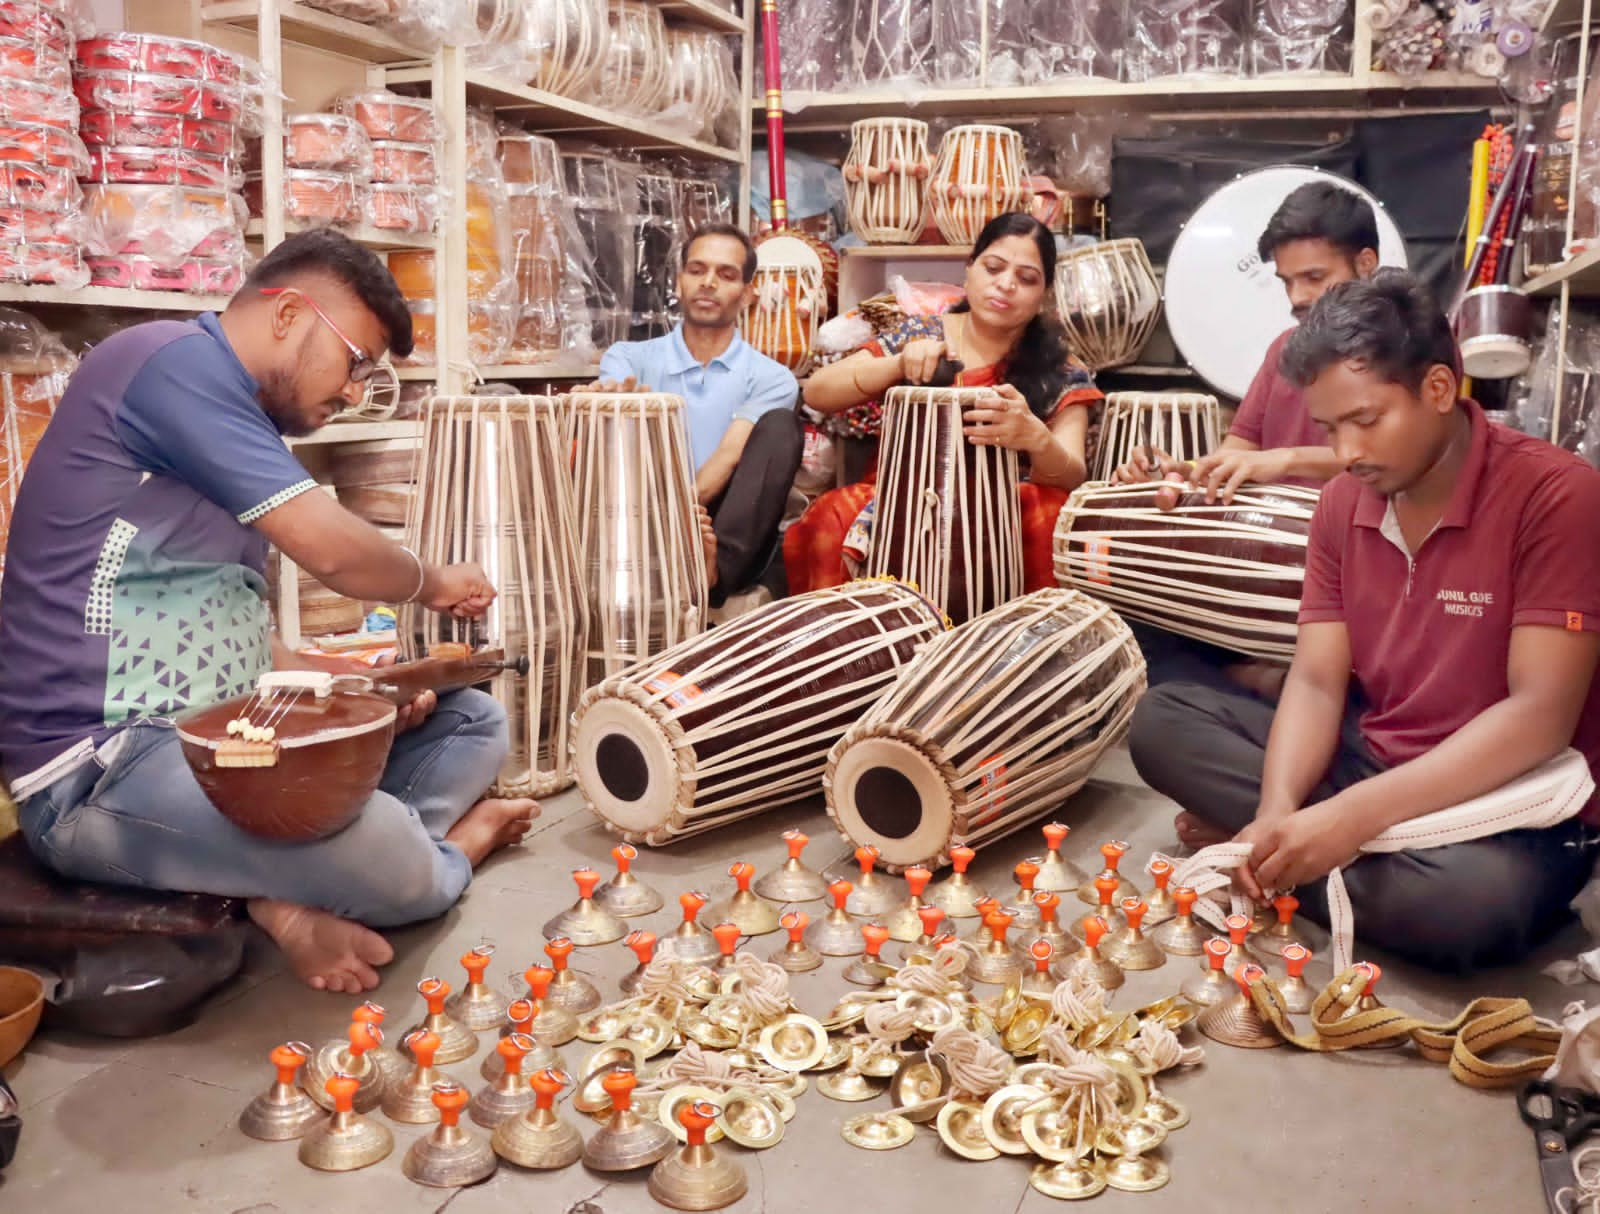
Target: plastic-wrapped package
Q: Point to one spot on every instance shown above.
(1185, 38)
(410, 163)
(1029, 44)
(46, 146)
(815, 188)
(34, 369)
(1544, 236)
(701, 202)
(369, 12)
(574, 44)
(656, 236)
(399, 207)
(312, 196)
(161, 166)
(102, 128)
(891, 42)
(326, 141)
(1300, 36)
(166, 224)
(1534, 413)
(531, 166)
(635, 77)
(32, 59)
(132, 271)
(34, 20)
(386, 115)
(703, 88)
(1407, 38)
(33, 102)
(158, 55)
(814, 55)
(605, 202)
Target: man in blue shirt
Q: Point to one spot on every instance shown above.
(134, 590)
(744, 433)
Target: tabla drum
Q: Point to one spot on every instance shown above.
(1230, 575)
(782, 320)
(740, 719)
(886, 179)
(644, 567)
(1224, 304)
(977, 176)
(946, 517)
(634, 79)
(1183, 424)
(993, 726)
(494, 487)
(1108, 301)
(531, 165)
(573, 38)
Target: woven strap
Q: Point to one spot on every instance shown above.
(1546, 796)
(1484, 1027)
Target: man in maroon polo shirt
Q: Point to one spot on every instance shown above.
(1448, 573)
(1321, 235)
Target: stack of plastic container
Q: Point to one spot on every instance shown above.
(164, 120)
(403, 195)
(40, 153)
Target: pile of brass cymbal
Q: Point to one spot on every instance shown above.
(1001, 1047)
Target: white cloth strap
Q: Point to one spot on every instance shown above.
(1543, 797)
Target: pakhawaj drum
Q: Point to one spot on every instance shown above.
(789, 306)
(993, 726)
(740, 719)
(946, 516)
(1230, 575)
(495, 488)
(644, 567)
(1183, 424)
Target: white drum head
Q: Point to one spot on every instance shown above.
(778, 249)
(625, 766)
(887, 793)
(1224, 304)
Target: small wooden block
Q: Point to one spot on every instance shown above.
(236, 752)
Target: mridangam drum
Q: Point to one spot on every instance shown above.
(644, 566)
(1230, 575)
(1108, 301)
(977, 176)
(782, 320)
(886, 179)
(740, 719)
(993, 726)
(1183, 424)
(494, 488)
(946, 517)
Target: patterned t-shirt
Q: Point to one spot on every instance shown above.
(134, 582)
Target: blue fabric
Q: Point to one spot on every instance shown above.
(740, 384)
(135, 816)
(133, 584)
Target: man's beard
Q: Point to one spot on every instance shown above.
(277, 402)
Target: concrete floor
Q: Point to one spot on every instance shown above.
(150, 1126)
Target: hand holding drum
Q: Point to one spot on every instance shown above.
(920, 359)
(1003, 419)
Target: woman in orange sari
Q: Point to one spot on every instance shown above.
(1000, 338)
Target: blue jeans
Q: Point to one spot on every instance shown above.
(135, 816)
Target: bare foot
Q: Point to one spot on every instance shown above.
(327, 952)
(491, 824)
(1196, 832)
(708, 541)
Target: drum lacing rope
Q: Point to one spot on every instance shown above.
(890, 1024)
(941, 978)
(763, 988)
(1087, 1085)
(1158, 1049)
(1583, 1196)
(708, 1068)
(670, 978)
(977, 1068)
(1079, 1001)
(1548, 795)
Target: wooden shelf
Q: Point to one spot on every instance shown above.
(550, 114)
(1562, 12)
(1581, 273)
(312, 27)
(359, 432)
(905, 252)
(110, 297)
(703, 13)
(414, 374)
(831, 111)
(373, 238)
(538, 371)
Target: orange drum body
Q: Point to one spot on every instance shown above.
(993, 726)
(978, 175)
(783, 319)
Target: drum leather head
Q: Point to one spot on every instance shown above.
(888, 793)
(627, 768)
(1224, 304)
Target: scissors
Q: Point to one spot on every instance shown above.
(1561, 1118)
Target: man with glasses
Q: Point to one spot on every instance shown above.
(134, 590)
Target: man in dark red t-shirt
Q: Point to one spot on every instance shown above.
(1448, 572)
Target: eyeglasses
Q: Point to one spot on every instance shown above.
(361, 366)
